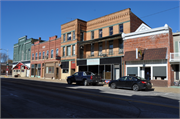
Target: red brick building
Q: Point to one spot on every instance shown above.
(96, 45)
(45, 58)
(147, 54)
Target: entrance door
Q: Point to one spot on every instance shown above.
(147, 73)
(27, 73)
(57, 73)
(116, 73)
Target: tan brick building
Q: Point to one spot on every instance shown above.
(96, 45)
(147, 54)
(45, 58)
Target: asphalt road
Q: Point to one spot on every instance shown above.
(36, 99)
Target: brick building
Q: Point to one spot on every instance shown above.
(147, 54)
(22, 54)
(96, 45)
(3, 68)
(45, 58)
(175, 56)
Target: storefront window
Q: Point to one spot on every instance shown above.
(49, 70)
(32, 69)
(65, 70)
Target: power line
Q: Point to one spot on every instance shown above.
(160, 12)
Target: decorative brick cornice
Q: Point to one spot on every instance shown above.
(107, 19)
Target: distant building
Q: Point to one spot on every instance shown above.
(22, 54)
(46, 58)
(147, 54)
(175, 56)
(3, 69)
(96, 45)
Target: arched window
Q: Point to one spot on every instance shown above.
(52, 52)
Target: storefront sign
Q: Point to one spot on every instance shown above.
(93, 61)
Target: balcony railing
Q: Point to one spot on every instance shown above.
(103, 54)
(175, 57)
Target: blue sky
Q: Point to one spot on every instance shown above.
(44, 18)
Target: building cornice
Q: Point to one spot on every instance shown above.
(147, 32)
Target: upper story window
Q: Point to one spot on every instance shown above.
(111, 30)
(120, 46)
(63, 51)
(57, 52)
(52, 52)
(69, 36)
(33, 56)
(100, 48)
(73, 50)
(64, 37)
(110, 47)
(68, 50)
(43, 54)
(39, 55)
(73, 35)
(47, 53)
(92, 34)
(82, 36)
(100, 33)
(92, 49)
(120, 28)
(36, 56)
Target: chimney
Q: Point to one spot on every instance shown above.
(39, 38)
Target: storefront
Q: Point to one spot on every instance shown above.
(109, 68)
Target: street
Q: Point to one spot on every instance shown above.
(37, 99)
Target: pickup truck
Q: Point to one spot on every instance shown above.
(84, 77)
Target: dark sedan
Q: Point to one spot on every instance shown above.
(133, 82)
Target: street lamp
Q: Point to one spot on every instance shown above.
(7, 61)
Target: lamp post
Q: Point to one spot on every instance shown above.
(7, 61)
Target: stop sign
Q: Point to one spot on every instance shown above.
(7, 69)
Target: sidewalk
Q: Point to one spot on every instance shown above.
(172, 89)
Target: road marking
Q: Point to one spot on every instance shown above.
(150, 103)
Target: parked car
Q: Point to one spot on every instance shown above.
(84, 77)
(133, 82)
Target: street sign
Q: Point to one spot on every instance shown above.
(7, 64)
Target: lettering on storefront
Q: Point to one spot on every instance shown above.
(93, 61)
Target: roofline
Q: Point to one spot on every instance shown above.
(109, 14)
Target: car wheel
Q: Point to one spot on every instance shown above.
(135, 87)
(85, 83)
(113, 86)
(69, 81)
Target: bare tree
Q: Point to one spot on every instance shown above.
(3, 57)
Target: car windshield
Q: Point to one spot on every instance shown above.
(140, 78)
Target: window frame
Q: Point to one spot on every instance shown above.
(68, 38)
(73, 49)
(64, 37)
(43, 54)
(64, 50)
(57, 51)
(47, 53)
(52, 53)
(92, 49)
(68, 53)
(99, 52)
(81, 36)
(39, 55)
(73, 35)
(111, 49)
(111, 30)
(33, 56)
(92, 34)
(100, 33)
(120, 29)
